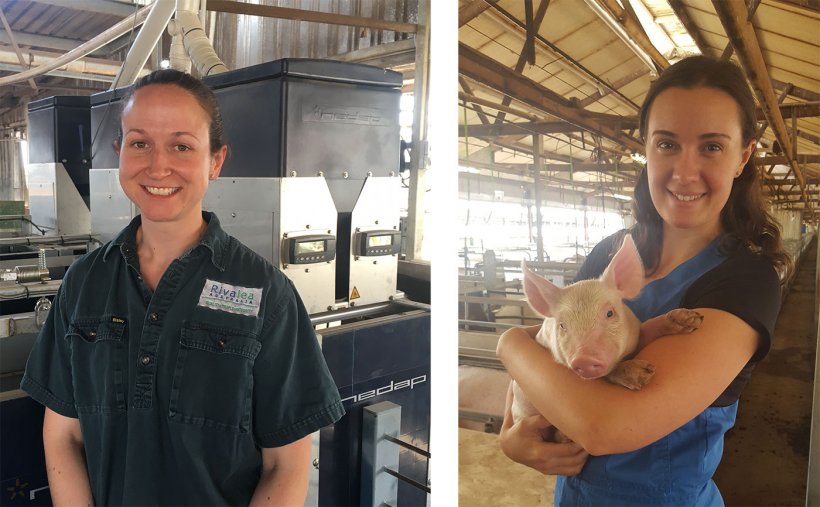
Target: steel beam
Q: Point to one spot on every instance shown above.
(267, 11)
(118, 9)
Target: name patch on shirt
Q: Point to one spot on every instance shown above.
(230, 298)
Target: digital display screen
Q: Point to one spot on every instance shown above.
(379, 241)
(309, 247)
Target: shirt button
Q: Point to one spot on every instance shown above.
(221, 343)
(146, 360)
(153, 317)
(92, 334)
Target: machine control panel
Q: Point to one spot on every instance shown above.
(376, 243)
(310, 249)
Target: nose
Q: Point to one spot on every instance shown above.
(686, 166)
(588, 367)
(158, 164)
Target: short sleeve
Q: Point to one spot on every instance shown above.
(747, 286)
(598, 259)
(293, 394)
(47, 378)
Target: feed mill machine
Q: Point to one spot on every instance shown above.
(311, 183)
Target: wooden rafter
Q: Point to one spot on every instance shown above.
(485, 70)
(733, 16)
(635, 31)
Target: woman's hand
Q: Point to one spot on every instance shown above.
(522, 442)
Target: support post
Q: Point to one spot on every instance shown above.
(536, 192)
(419, 162)
(378, 487)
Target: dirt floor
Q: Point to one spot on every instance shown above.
(765, 459)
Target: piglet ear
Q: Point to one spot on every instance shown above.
(625, 271)
(541, 294)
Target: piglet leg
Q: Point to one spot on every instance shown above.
(678, 321)
(632, 374)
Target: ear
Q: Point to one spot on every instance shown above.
(541, 294)
(625, 271)
(116, 144)
(747, 153)
(217, 159)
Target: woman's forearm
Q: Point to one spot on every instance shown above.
(690, 373)
(65, 461)
(284, 479)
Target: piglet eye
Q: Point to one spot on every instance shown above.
(562, 326)
(610, 313)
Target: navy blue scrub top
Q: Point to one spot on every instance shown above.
(678, 468)
(177, 389)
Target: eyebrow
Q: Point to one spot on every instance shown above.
(176, 134)
(708, 135)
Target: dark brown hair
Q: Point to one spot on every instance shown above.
(203, 95)
(745, 219)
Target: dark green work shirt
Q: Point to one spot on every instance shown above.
(177, 390)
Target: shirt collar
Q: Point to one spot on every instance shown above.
(215, 239)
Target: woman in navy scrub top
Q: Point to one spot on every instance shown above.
(707, 243)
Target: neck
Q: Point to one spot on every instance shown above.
(163, 242)
(680, 246)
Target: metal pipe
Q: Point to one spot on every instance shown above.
(202, 54)
(161, 12)
(104, 38)
(348, 313)
(49, 240)
(25, 291)
(616, 27)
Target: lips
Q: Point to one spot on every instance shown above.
(161, 191)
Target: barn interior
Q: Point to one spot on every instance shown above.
(549, 153)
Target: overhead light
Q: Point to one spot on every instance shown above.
(164, 64)
(637, 157)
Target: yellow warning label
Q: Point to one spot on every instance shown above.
(355, 294)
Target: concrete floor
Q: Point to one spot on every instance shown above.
(488, 478)
(765, 459)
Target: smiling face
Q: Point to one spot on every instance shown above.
(165, 157)
(694, 150)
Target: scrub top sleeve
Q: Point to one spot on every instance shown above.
(597, 260)
(293, 394)
(47, 378)
(746, 286)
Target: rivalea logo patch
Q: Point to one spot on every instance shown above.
(230, 298)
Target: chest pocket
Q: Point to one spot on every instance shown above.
(98, 355)
(213, 377)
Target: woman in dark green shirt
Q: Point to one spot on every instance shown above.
(177, 367)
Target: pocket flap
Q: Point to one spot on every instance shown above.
(98, 328)
(219, 340)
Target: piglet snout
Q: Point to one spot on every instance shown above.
(588, 367)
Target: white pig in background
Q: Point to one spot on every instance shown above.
(589, 329)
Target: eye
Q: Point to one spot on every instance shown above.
(713, 147)
(666, 145)
(140, 145)
(182, 147)
(562, 326)
(610, 313)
